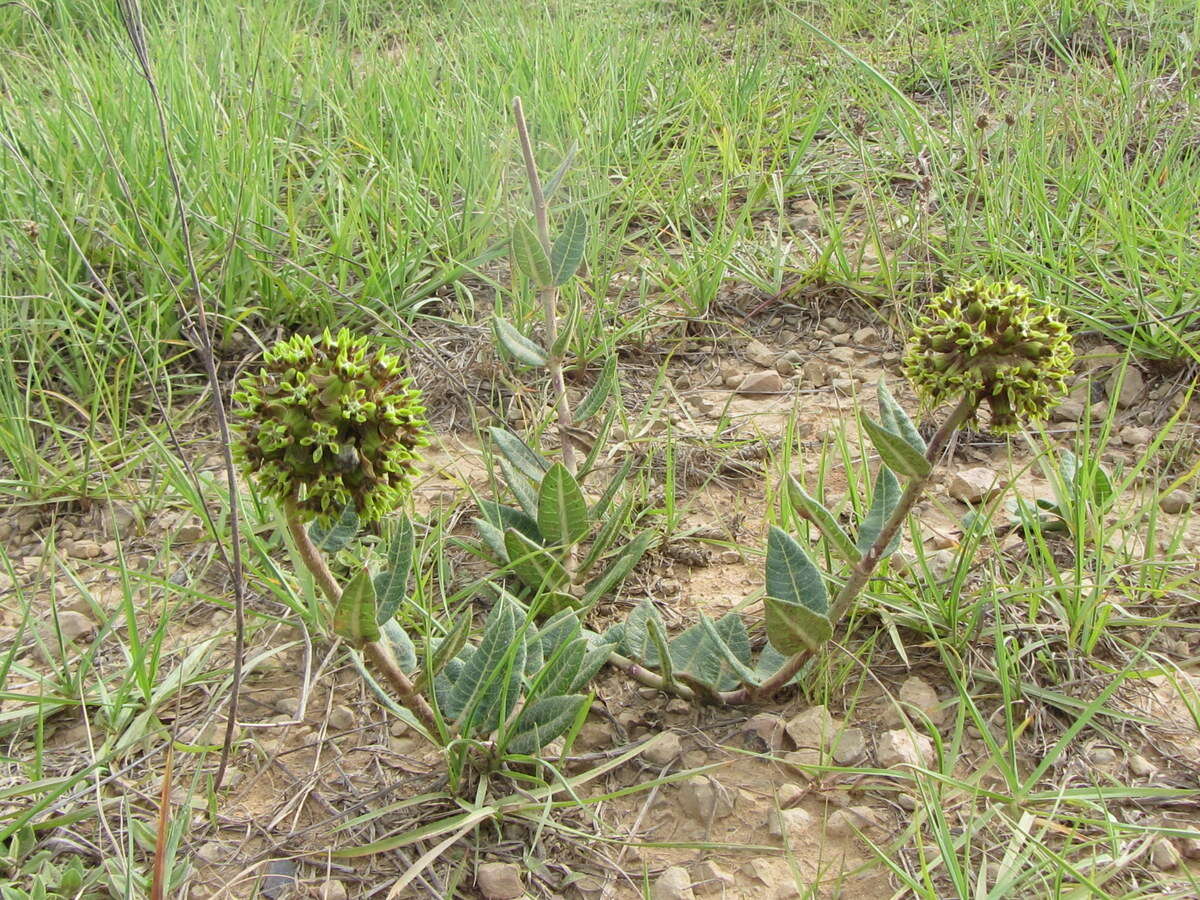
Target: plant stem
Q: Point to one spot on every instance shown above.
(547, 294)
(648, 677)
(865, 567)
(375, 651)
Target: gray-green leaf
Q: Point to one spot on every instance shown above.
(562, 511)
(332, 538)
(542, 721)
(391, 585)
(521, 348)
(816, 512)
(895, 451)
(567, 252)
(791, 575)
(792, 628)
(355, 617)
(895, 419)
(883, 503)
(530, 255)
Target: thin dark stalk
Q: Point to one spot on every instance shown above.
(131, 17)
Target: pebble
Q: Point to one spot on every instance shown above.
(1068, 411)
(797, 824)
(975, 484)
(789, 795)
(712, 877)
(758, 383)
(73, 625)
(833, 325)
(705, 799)
(812, 729)
(729, 557)
(867, 337)
(816, 373)
(768, 728)
(212, 852)
(900, 747)
(1140, 766)
(664, 748)
(1163, 855)
(85, 549)
(850, 747)
(341, 718)
(1102, 756)
(760, 355)
(1176, 502)
(919, 693)
(673, 884)
(333, 890)
(847, 822)
(1132, 386)
(1135, 436)
(499, 881)
(1191, 846)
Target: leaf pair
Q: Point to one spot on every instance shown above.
(565, 255)
(710, 655)
(895, 437)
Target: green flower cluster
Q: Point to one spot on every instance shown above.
(331, 422)
(994, 343)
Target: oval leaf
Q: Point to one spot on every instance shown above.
(562, 512)
(895, 419)
(567, 252)
(593, 402)
(883, 503)
(356, 616)
(793, 629)
(521, 348)
(896, 453)
(816, 512)
(530, 255)
(791, 575)
(391, 585)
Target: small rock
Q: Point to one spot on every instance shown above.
(850, 747)
(1163, 855)
(1068, 411)
(84, 549)
(1132, 387)
(760, 355)
(729, 557)
(901, 747)
(333, 890)
(1102, 756)
(843, 385)
(212, 853)
(847, 822)
(190, 534)
(759, 383)
(664, 748)
(906, 802)
(73, 625)
(1190, 846)
(867, 337)
(1176, 502)
(942, 563)
(814, 728)
(711, 877)
(789, 795)
(847, 356)
(816, 373)
(341, 718)
(768, 728)
(674, 884)
(669, 587)
(804, 760)
(833, 325)
(705, 799)
(1135, 436)
(785, 367)
(796, 824)
(975, 484)
(919, 693)
(841, 340)
(499, 881)
(1140, 766)
(733, 381)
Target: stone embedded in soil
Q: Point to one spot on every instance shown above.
(847, 822)
(797, 827)
(72, 625)
(761, 355)
(816, 373)
(341, 718)
(1190, 846)
(673, 884)
(705, 799)
(83, 549)
(900, 747)
(760, 383)
(768, 728)
(499, 881)
(212, 852)
(919, 693)
(1163, 855)
(789, 794)
(975, 484)
(847, 356)
(1132, 387)
(1176, 502)
(1068, 411)
(1102, 756)
(813, 728)
(868, 337)
(333, 890)
(941, 564)
(1136, 436)
(709, 877)
(850, 748)
(663, 748)
(1140, 766)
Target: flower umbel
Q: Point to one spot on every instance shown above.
(994, 342)
(331, 422)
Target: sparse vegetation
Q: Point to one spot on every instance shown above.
(610, 385)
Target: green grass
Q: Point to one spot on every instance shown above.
(355, 162)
